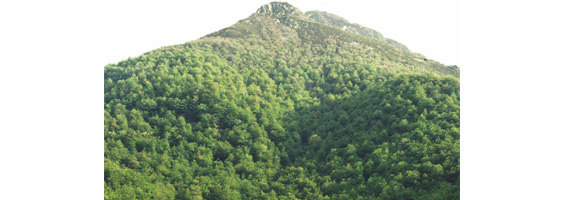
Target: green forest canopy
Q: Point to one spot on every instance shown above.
(279, 106)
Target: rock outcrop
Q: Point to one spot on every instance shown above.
(278, 8)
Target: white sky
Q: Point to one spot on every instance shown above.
(133, 27)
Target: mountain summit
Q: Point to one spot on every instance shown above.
(278, 8)
(283, 24)
(282, 105)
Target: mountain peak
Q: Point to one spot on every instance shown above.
(278, 8)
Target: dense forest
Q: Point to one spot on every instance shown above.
(281, 106)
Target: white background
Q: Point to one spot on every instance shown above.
(51, 82)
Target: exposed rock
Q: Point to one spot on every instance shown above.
(278, 8)
(341, 23)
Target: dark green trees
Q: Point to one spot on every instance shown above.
(269, 110)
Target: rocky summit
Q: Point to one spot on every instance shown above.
(282, 105)
(278, 8)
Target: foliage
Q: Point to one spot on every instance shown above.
(281, 107)
(340, 23)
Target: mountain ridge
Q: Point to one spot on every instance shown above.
(278, 106)
(300, 28)
(335, 21)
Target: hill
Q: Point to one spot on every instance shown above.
(341, 23)
(281, 106)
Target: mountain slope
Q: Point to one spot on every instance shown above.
(298, 31)
(279, 106)
(341, 23)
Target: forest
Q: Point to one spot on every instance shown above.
(280, 106)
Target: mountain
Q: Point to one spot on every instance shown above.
(280, 23)
(282, 105)
(341, 23)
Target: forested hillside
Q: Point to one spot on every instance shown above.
(279, 106)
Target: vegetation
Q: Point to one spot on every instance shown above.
(279, 106)
(341, 23)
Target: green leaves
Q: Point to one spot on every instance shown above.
(279, 112)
